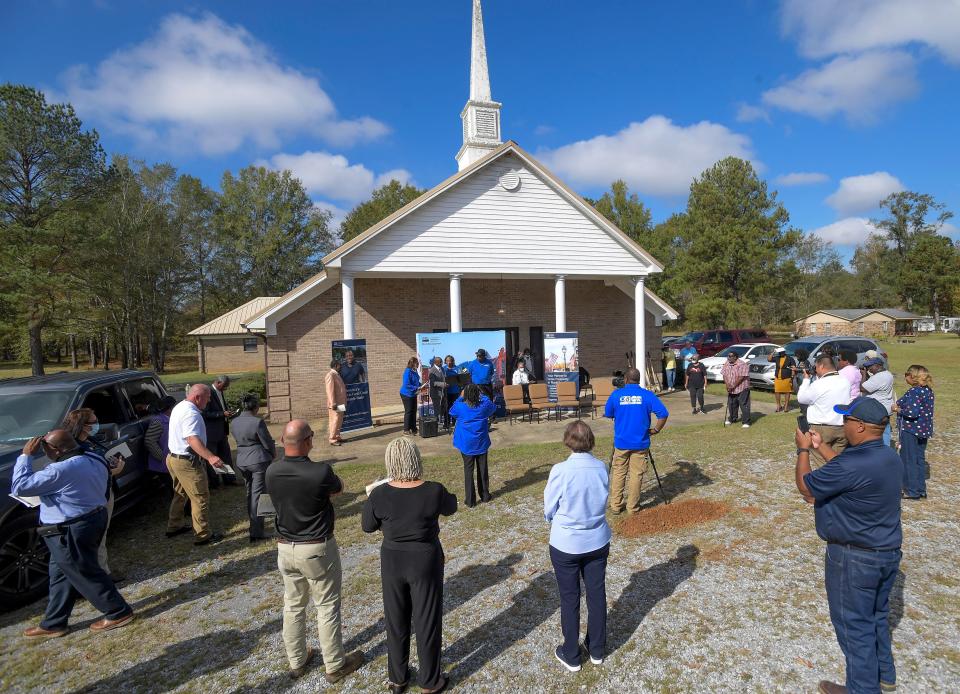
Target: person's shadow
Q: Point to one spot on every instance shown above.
(683, 476)
(179, 663)
(458, 589)
(645, 589)
(529, 609)
(534, 475)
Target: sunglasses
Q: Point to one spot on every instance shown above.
(848, 418)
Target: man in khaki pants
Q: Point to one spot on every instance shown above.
(307, 553)
(187, 443)
(630, 408)
(336, 399)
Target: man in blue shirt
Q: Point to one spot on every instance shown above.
(856, 497)
(481, 372)
(73, 516)
(630, 408)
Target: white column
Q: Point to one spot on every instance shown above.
(560, 300)
(640, 329)
(346, 291)
(456, 325)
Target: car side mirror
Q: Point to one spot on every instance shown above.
(109, 432)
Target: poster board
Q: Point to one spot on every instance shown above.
(561, 361)
(463, 347)
(358, 414)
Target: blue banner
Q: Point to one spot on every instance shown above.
(352, 355)
(561, 361)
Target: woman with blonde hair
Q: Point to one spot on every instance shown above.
(406, 509)
(915, 423)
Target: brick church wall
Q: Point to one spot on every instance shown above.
(389, 313)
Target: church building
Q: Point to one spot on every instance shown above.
(502, 244)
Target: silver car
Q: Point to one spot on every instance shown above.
(761, 370)
(746, 352)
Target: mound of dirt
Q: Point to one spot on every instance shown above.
(664, 518)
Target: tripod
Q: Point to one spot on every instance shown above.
(653, 464)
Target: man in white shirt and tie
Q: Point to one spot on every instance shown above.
(820, 397)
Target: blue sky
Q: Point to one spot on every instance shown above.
(838, 103)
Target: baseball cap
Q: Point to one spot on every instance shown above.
(865, 409)
(778, 350)
(872, 362)
(481, 352)
(871, 354)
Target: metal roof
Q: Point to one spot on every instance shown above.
(852, 314)
(231, 322)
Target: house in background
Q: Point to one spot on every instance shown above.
(869, 322)
(224, 345)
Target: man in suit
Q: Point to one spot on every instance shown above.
(216, 416)
(336, 402)
(255, 451)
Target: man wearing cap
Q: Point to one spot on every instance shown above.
(481, 372)
(856, 498)
(821, 396)
(877, 383)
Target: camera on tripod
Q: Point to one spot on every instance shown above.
(618, 379)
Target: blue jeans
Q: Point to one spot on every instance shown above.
(74, 571)
(671, 377)
(913, 452)
(858, 591)
(568, 568)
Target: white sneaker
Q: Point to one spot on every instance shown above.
(726, 423)
(745, 426)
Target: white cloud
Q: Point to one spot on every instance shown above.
(747, 113)
(801, 178)
(543, 129)
(204, 84)
(337, 214)
(827, 27)
(654, 157)
(863, 193)
(332, 175)
(851, 231)
(858, 87)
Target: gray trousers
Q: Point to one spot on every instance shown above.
(255, 479)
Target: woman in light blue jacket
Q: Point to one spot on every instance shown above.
(574, 503)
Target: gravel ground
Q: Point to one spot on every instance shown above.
(735, 603)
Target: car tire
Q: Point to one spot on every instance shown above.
(24, 562)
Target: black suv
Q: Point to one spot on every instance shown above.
(32, 406)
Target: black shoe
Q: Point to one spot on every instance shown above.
(117, 577)
(486, 499)
(254, 540)
(214, 538)
(179, 531)
(444, 681)
(572, 667)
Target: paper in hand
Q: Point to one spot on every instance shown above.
(341, 408)
(28, 501)
(224, 469)
(120, 449)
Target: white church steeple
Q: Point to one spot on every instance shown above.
(481, 115)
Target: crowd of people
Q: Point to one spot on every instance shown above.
(845, 467)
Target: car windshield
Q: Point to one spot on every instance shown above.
(808, 347)
(691, 337)
(739, 350)
(25, 415)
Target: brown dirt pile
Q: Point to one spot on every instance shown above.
(680, 514)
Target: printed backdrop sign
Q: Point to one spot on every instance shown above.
(561, 361)
(352, 355)
(463, 347)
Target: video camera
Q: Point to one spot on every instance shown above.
(618, 379)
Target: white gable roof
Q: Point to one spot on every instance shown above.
(478, 223)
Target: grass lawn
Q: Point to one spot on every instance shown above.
(735, 603)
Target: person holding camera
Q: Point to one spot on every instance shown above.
(630, 408)
(73, 491)
(877, 383)
(821, 397)
(856, 498)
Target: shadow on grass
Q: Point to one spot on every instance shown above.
(376, 431)
(529, 608)
(184, 661)
(645, 589)
(534, 475)
(683, 476)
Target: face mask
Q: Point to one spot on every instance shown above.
(94, 428)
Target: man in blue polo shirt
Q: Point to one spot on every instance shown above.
(856, 498)
(630, 408)
(481, 372)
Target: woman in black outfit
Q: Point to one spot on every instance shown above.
(411, 563)
(696, 379)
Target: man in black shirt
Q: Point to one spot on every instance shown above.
(308, 556)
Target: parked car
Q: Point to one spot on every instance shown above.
(747, 352)
(669, 340)
(709, 342)
(761, 371)
(33, 406)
